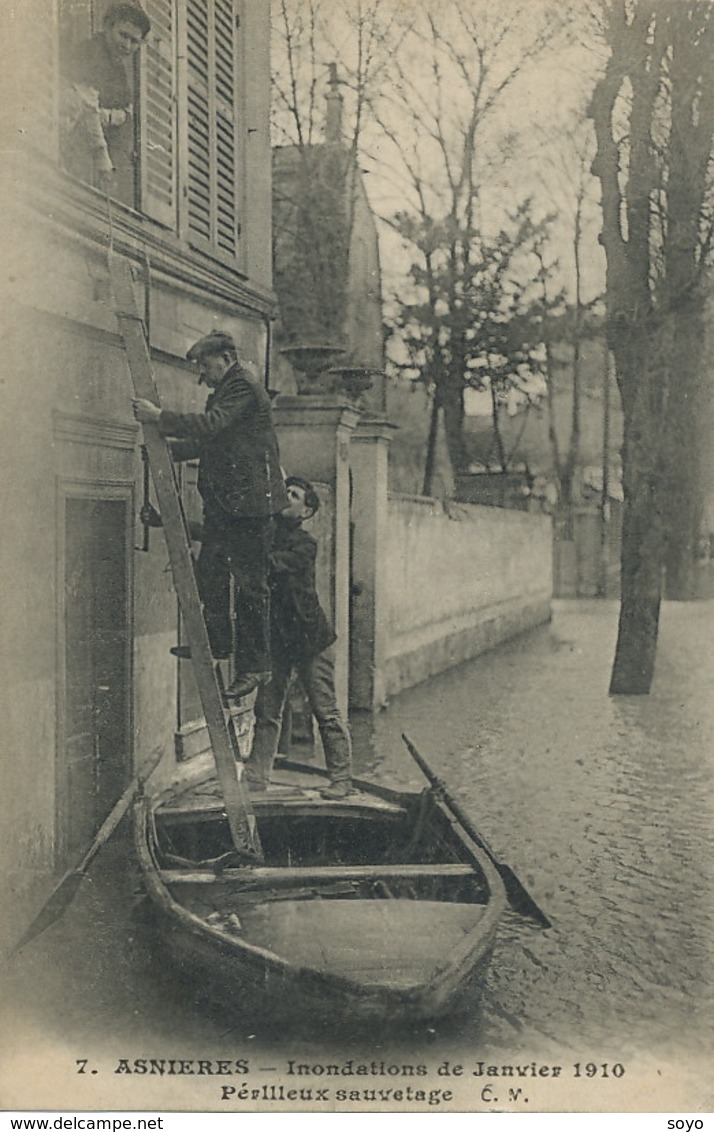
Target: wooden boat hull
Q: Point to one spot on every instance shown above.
(377, 907)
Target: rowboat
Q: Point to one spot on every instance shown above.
(378, 906)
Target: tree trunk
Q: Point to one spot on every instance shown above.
(641, 381)
(684, 443)
(641, 582)
(565, 501)
(430, 465)
(451, 398)
(664, 52)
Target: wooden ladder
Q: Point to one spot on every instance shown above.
(241, 818)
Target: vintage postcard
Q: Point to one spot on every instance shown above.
(357, 724)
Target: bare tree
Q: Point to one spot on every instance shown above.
(564, 167)
(309, 38)
(653, 111)
(440, 115)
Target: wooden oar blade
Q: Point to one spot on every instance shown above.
(65, 891)
(519, 898)
(54, 907)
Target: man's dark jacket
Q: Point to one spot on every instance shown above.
(298, 622)
(234, 440)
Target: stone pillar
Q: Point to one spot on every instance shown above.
(369, 459)
(314, 436)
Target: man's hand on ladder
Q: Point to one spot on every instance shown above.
(145, 411)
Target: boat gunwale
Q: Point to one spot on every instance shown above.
(204, 771)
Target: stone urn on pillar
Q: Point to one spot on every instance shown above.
(311, 361)
(354, 379)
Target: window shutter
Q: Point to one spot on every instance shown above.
(225, 86)
(200, 141)
(158, 111)
(212, 212)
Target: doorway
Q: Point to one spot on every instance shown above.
(95, 666)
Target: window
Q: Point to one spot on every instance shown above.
(211, 179)
(183, 141)
(90, 144)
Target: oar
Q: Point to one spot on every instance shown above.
(520, 900)
(66, 889)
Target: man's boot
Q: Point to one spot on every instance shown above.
(338, 790)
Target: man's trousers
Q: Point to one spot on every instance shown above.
(237, 548)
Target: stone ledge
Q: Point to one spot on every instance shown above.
(410, 668)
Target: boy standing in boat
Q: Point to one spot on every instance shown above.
(301, 641)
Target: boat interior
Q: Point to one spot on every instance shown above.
(378, 844)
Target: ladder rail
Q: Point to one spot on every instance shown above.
(239, 812)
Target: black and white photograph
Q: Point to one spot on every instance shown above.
(358, 558)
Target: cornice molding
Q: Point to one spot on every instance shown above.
(78, 213)
(82, 428)
(100, 334)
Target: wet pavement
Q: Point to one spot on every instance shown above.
(602, 806)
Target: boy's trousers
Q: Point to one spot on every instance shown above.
(317, 676)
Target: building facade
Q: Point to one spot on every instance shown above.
(89, 609)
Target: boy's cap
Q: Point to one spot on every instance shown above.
(217, 342)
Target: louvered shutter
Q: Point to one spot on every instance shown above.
(158, 114)
(211, 181)
(199, 173)
(225, 125)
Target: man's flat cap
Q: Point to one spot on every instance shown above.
(217, 342)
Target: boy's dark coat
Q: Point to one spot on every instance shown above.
(298, 621)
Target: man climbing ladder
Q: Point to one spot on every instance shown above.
(240, 817)
(242, 489)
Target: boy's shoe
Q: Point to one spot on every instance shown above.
(254, 786)
(183, 652)
(245, 684)
(338, 790)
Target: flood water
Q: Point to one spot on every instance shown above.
(603, 808)
(601, 805)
